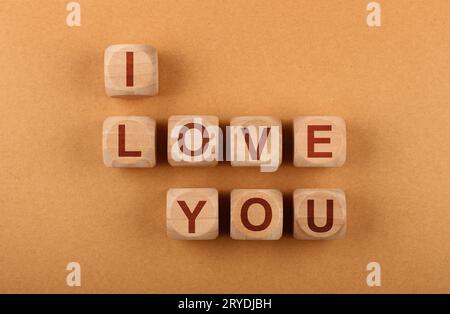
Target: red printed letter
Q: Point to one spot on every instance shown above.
(312, 225)
(267, 209)
(191, 216)
(182, 140)
(122, 151)
(130, 68)
(261, 143)
(313, 140)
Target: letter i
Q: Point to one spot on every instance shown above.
(130, 69)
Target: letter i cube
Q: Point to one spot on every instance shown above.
(131, 70)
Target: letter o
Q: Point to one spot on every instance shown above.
(205, 138)
(267, 212)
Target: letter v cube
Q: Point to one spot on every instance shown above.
(193, 140)
(256, 141)
(192, 214)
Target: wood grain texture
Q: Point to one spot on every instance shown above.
(319, 214)
(289, 58)
(131, 70)
(193, 140)
(192, 214)
(259, 139)
(256, 214)
(319, 141)
(129, 142)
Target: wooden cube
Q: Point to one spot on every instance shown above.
(256, 141)
(192, 214)
(131, 70)
(193, 140)
(256, 214)
(129, 142)
(319, 214)
(319, 141)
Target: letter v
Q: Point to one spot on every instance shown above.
(261, 143)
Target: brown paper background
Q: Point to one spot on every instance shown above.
(226, 58)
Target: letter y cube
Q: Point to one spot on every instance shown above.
(192, 214)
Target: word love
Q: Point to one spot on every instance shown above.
(319, 141)
(256, 214)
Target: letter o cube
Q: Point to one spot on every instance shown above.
(256, 214)
(193, 140)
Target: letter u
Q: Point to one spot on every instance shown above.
(329, 221)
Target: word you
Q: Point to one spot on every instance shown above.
(256, 214)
